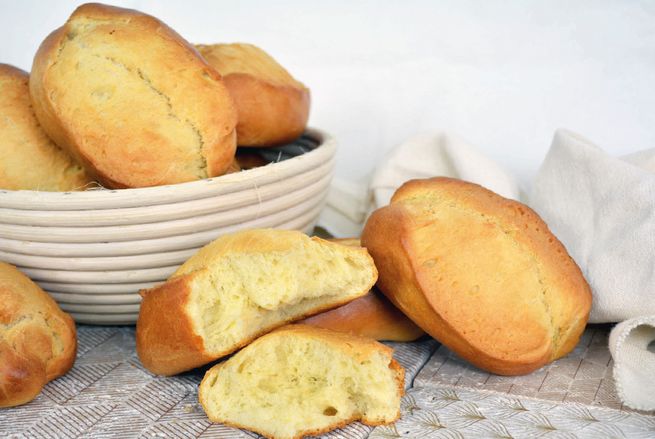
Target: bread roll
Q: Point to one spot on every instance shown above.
(480, 273)
(273, 107)
(28, 158)
(131, 100)
(241, 286)
(301, 380)
(37, 339)
(371, 316)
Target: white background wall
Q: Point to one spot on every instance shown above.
(502, 74)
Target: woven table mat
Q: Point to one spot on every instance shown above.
(459, 412)
(572, 397)
(108, 394)
(584, 376)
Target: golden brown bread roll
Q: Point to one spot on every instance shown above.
(301, 380)
(28, 158)
(131, 100)
(273, 107)
(480, 273)
(37, 339)
(371, 316)
(241, 286)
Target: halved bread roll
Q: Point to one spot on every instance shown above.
(131, 100)
(241, 286)
(273, 107)
(480, 273)
(371, 316)
(301, 380)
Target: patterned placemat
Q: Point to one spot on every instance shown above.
(108, 394)
(583, 376)
(573, 397)
(458, 412)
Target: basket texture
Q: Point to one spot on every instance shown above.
(94, 250)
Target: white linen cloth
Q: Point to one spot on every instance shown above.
(443, 154)
(602, 209)
(634, 362)
(422, 156)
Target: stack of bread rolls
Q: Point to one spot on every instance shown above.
(295, 381)
(117, 97)
(480, 273)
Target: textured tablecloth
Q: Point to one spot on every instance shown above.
(108, 394)
(574, 397)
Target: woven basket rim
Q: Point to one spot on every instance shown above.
(169, 194)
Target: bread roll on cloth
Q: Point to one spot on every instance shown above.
(273, 107)
(480, 273)
(241, 286)
(371, 316)
(301, 380)
(131, 100)
(28, 158)
(37, 339)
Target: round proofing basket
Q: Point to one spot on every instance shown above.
(94, 250)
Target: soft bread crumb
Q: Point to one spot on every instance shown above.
(303, 380)
(243, 292)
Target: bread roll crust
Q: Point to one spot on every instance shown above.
(371, 316)
(29, 160)
(131, 100)
(360, 348)
(273, 107)
(169, 333)
(480, 273)
(165, 338)
(37, 339)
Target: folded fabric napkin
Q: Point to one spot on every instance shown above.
(632, 344)
(424, 156)
(602, 208)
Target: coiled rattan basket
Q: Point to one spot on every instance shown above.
(94, 250)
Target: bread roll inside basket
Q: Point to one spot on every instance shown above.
(94, 250)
